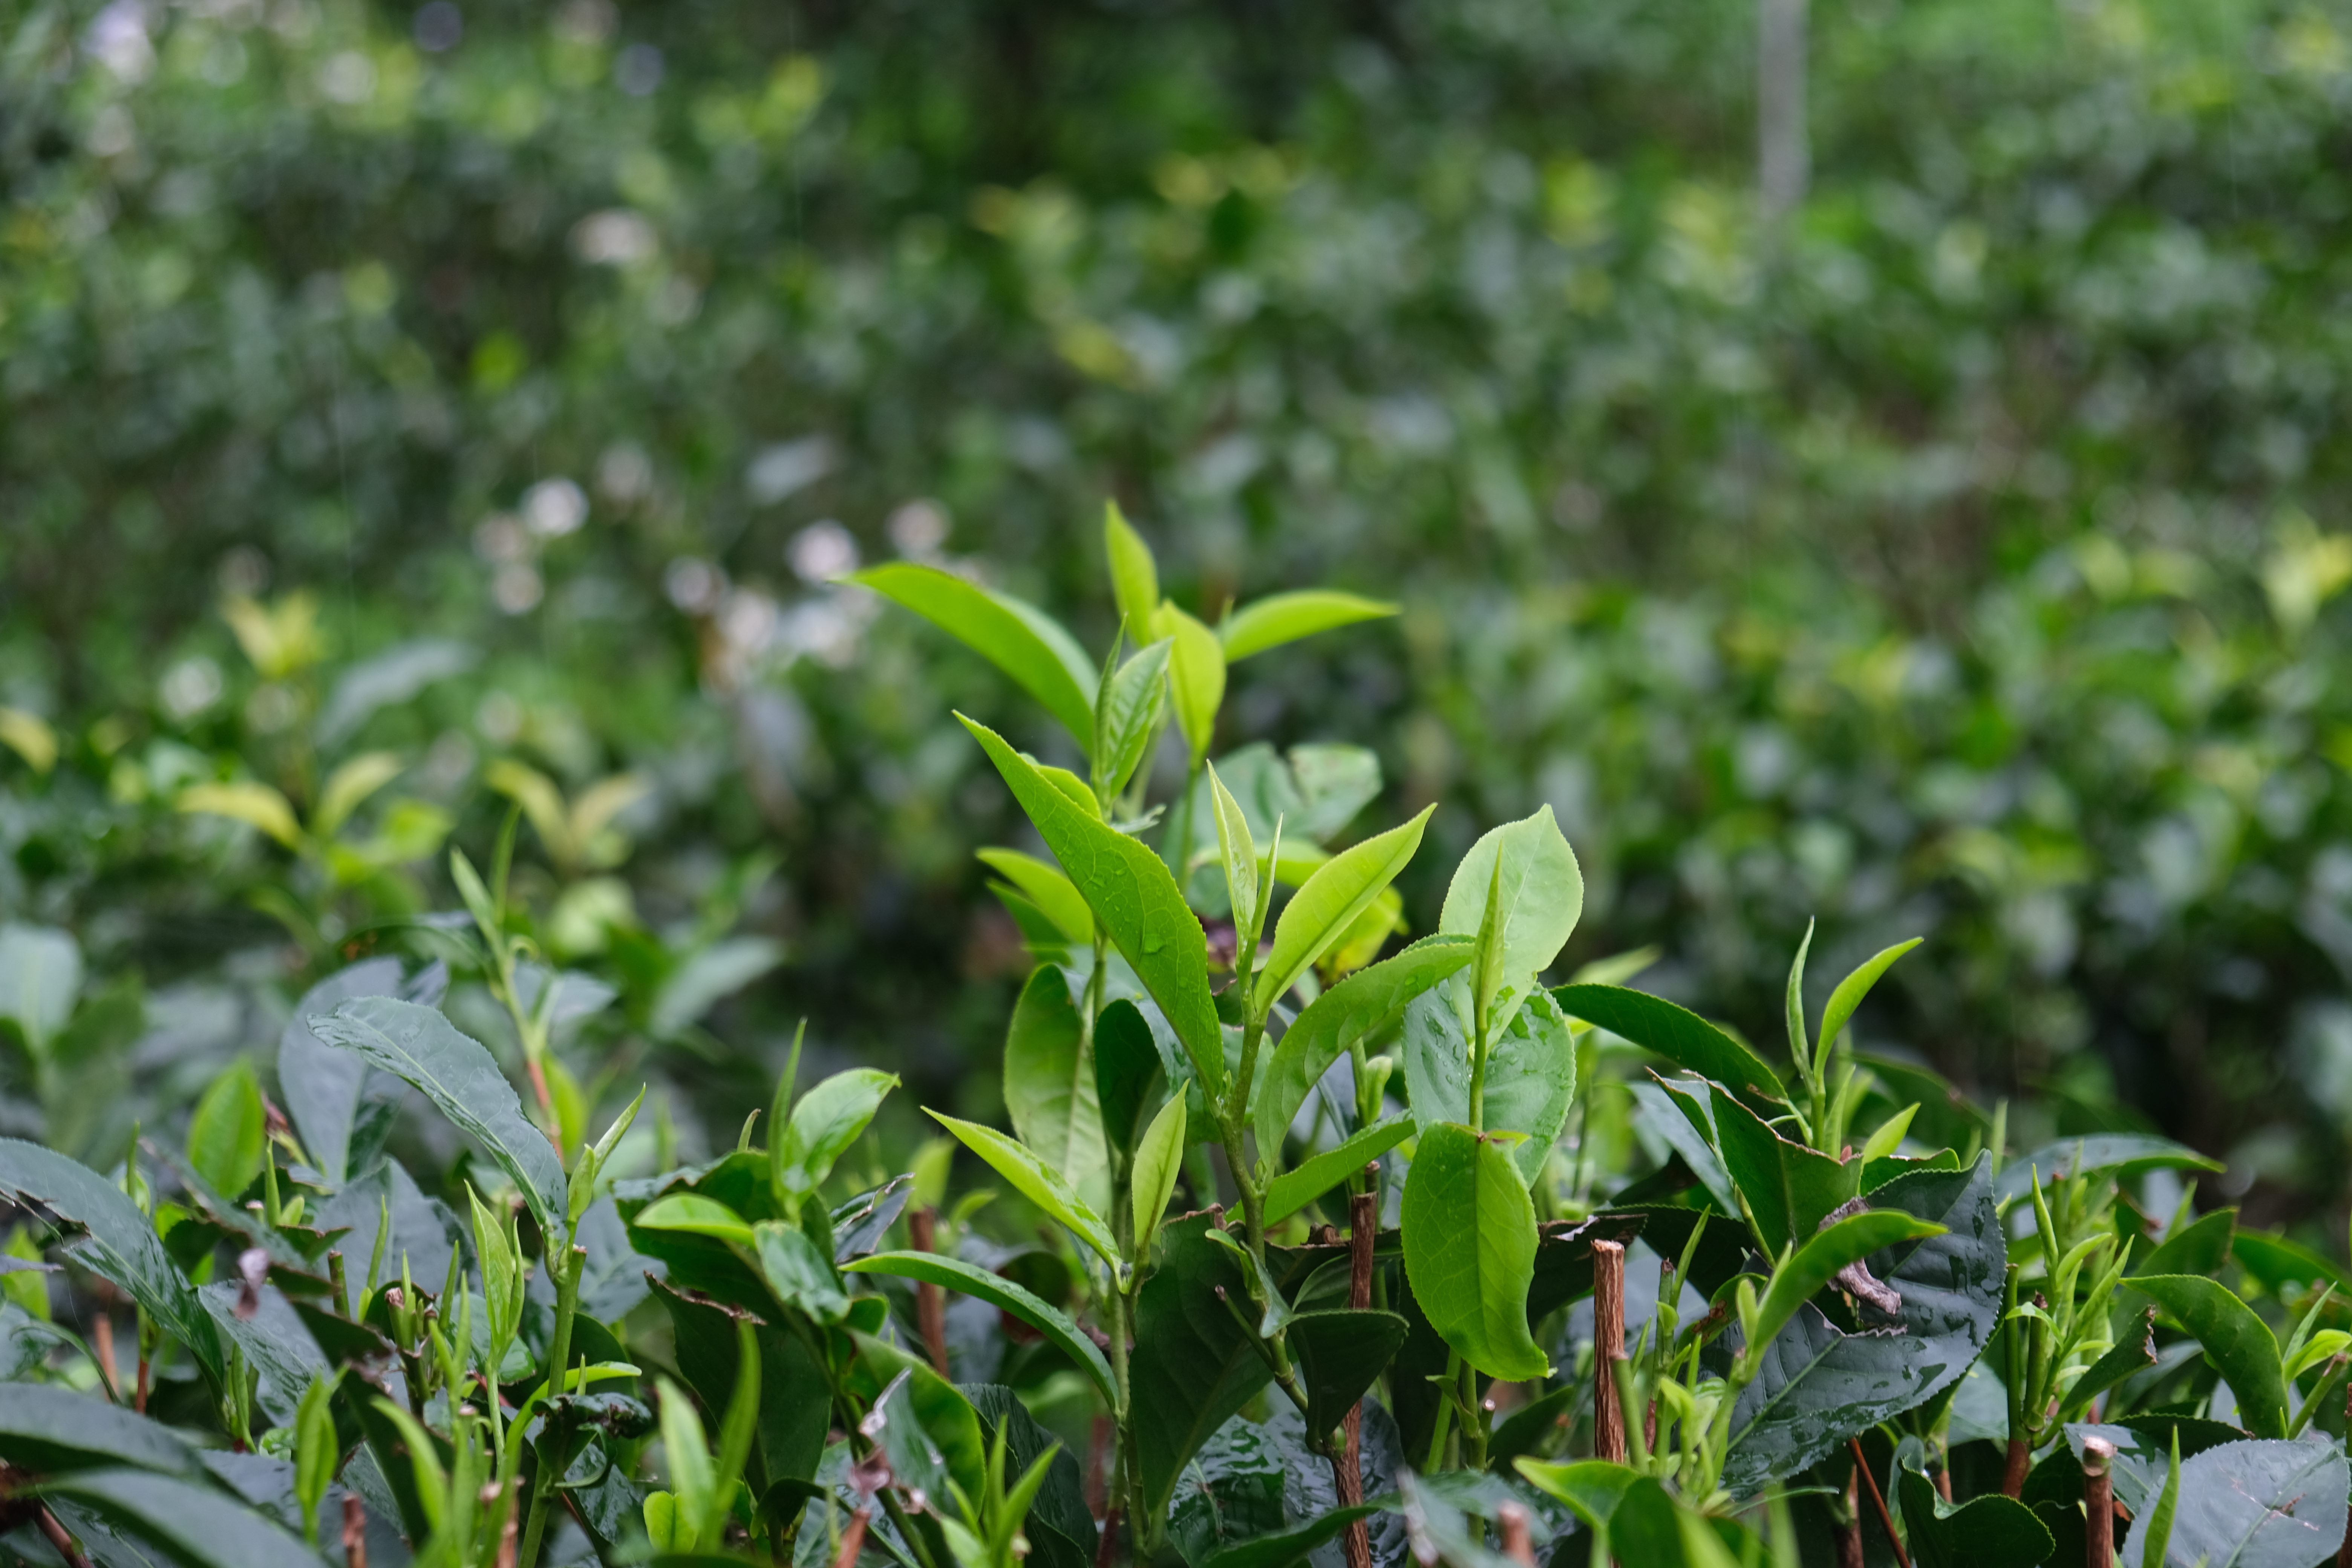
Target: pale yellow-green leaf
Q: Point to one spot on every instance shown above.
(1134, 578)
(349, 785)
(541, 801)
(1328, 903)
(31, 738)
(247, 802)
(1196, 676)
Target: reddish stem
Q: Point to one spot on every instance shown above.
(1608, 1349)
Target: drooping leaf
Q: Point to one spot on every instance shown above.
(1591, 1488)
(348, 788)
(1991, 1532)
(1132, 895)
(1193, 1364)
(1127, 1064)
(1470, 1250)
(1159, 1159)
(244, 800)
(1126, 716)
(1294, 1189)
(1279, 618)
(1019, 639)
(1049, 1086)
(695, 1215)
(418, 1045)
(118, 1243)
(1357, 1008)
(226, 1135)
(2126, 1153)
(1677, 1033)
(955, 1274)
(1530, 1069)
(1037, 1182)
(340, 1107)
(2235, 1340)
(1788, 1187)
(1196, 676)
(1341, 1353)
(834, 1114)
(198, 1524)
(1045, 887)
(2258, 1504)
(1538, 887)
(1817, 1385)
(1320, 913)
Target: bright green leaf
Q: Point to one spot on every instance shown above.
(1159, 1158)
(1357, 1008)
(1470, 1250)
(1538, 883)
(1293, 1190)
(1196, 676)
(1134, 577)
(1037, 1182)
(1019, 639)
(1049, 1084)
(227, 1135)
(1045, 887)
(825, 1122)
(955, 1274)
(1320, 913)
(1279, 618)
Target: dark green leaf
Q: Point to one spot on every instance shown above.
(45, 1429)
(2134, 1351)
(1818, 1386)
(800, 1273)
(2201, 1246)
(1132, 895)
(118, 1244)
(1531, 1069)
(1192, 1366)
(1470, 1250)
(955, 1274)
(1018, 639)
(795, 1404)
(340, 1107)
(2260, 1504)
(2235, 1340)
(1357, 1008)
(1680, 1036)
(1790, 1188)
(1049, 1086)
(1993, 1531)
(1282, 1548)
(418, 1045)
(196, 1523)
(1127, 1059)
(1293, 1190)
(1341, 1355)
(1814, 1265)
(1060, 1528)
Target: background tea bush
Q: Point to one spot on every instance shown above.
(1959, 561)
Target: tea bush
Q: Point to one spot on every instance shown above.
(1308, 1243)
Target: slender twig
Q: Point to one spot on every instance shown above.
(930, 1302)
(1878, 1501)
(354, 1531)
(1608, 1349)
(1363, 1229)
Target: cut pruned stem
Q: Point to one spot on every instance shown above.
(354, 1531)
(930, 1302)
(853, 1541)
(101, 1333)
(1607, 1350)
(2021, 1455)
(1878, 1503)
(1518, 1537)
(2343, 1552)
(1363, 1229)
(2098, 1503)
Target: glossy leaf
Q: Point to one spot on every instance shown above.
(46, 1429)
(1531, 1069)
(2201, 1246)
(1816, 1385)
(1126, 716)
(1019, 639)
(1591, 1488)
(1470, 1250)
(2235, 1340)
(1280, 618)
(227, 1134)
(1134, 576)
(1045, 887)
(1320, 913)
(1357, 1008)
(1341, 1355)
(118, 1244)
(1196, 676)
(1991, 1532)
(834, 1114)
(1294, 1189)
(1819, 1261)
(2127, 1153)
(340, 1107)
(1788, 1188)
(1677, 1033)
(199, 1525)
(799, 1275)
(1050, 1087)
(1158, 1159)
(1855, 986)
(1037, 1182)
(1130, 892)
(1539, 887)
(955, 1274)
(418, 1045)
(695, 1215)
(2260, 1504)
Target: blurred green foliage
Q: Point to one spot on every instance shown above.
(497, 389)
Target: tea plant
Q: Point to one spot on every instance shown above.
(1335, 1239)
